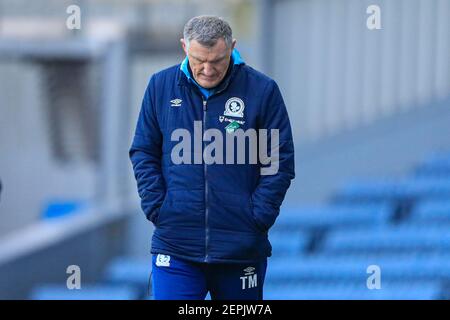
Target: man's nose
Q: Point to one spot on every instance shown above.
(208, 70)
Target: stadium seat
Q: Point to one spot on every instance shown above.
(354, 268)
(88, 292)
(335, 291)
(437, 165)
(393, 239)
(55, 209)
(129, 271)
(333, 216)
(431, 211)
(288, 242)
(370, 190)
(393, 189)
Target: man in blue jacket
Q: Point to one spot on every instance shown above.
(211, 202)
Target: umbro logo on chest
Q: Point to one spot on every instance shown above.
(175, 102)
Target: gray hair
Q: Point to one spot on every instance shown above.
(207, 30)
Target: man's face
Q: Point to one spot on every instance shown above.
(208, 65)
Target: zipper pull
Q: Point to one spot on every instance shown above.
(204, 105)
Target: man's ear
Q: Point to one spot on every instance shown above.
(184, 46)
(233, 44)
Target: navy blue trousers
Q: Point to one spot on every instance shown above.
(177, 279)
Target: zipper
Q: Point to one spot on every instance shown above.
(206, 186)
(205, 166)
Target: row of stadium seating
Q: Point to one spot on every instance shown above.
(400, 226)
(326, 252)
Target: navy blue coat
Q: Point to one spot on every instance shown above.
(210, 212)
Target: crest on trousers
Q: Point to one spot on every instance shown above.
(163, 260)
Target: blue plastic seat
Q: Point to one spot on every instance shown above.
(88, 292)
(394, 189)
(288, 242)
(354, 268)
(333, 216)
(428, 187)
(431, 211)
(402, 238)
(437, 165)
(370, 190)
(129, 271)
(342, 291)
(61, 208)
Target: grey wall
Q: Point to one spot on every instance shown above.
(336, 74)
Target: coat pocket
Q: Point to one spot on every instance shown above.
(258, 224)
(160, 211)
